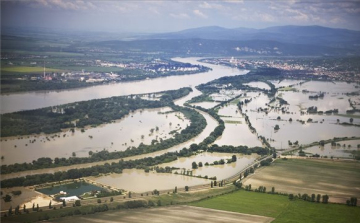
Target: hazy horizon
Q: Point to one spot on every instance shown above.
(169, 16)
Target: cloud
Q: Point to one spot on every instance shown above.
(200, 14)
(297, 15)
(154, 10)
(235, 1)
(206, 5)
(180, 16)
(66, 4)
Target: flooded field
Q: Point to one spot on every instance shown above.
(138, 127)
(295, 119)
(236, 131)
(206, 104)
(218, 171)
(258, 84)
(343, 149)
(225, 95)
(285, 83)
(138, 181)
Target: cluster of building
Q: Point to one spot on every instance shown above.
(293, 66)
(155, 66)
(148, 69)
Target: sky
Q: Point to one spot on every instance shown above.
(147, 16)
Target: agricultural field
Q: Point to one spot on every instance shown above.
(168, 214)
(338, 179)
(22, 70)
(281, 208)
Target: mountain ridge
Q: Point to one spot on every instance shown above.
(308, 35)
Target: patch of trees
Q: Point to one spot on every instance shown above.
(238, 149)
(311, 198)
(352, 201)
(315, 97)
(266, 162)
(94, 112)
(312, 110)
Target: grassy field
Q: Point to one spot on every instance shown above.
(339, 179)
(22, 70)
(281, 208)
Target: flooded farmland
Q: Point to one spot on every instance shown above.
(137, 127)
(218, 171)
(344, 149)
(138, 181)
(295, 119)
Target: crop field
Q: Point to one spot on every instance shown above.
(168, 214)
(20, 69)
(338, 179)
(281, 208)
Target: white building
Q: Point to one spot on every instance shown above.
(70, 199)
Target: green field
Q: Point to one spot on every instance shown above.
(281, 208)
(22, 70)
(338, 179)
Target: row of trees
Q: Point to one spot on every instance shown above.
(313, 198)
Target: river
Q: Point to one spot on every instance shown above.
(40, 99)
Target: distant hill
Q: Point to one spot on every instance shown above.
(308, 35)
(211, 47)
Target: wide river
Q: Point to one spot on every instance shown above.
(40, 99)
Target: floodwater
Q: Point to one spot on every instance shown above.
(322, 127)
(258, 84)
(330, 87)
(138, 181)
(206, 104)
(33, 100)
(211, 125)
(116, 136)
(342, 149)
(220, 171)
(236, 131)
(285, 83)
(225, 95)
